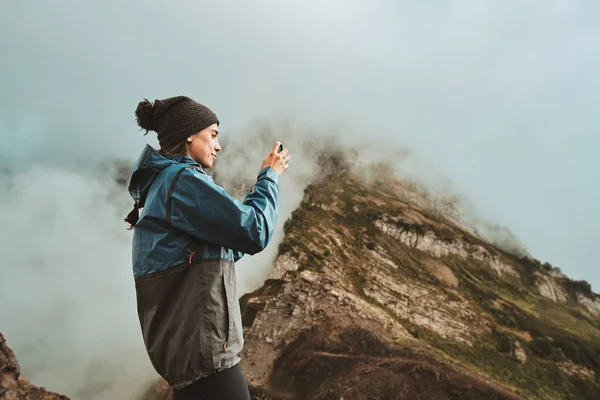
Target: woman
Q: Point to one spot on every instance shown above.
(186, 240)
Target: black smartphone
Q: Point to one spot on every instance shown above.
(280, 149)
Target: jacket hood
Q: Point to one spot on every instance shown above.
(148, 166)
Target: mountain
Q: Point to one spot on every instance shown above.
(12, 385)
(380, 291)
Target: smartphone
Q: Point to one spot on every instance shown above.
(280, 149)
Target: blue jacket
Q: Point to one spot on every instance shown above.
(182, 203)
(185, 244)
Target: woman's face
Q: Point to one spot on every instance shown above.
(204, 146)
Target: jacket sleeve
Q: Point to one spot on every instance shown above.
(202, 209)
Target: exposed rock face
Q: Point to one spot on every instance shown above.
(373, 296)
(15, 387)
(592, 305)
(573, 369)
(431, 244)
(285, 310)
(282, 265)
(313, 341)
(550, 288)
(519, 352)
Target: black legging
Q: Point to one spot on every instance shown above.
(228, 384)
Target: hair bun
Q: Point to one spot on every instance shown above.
(145, 115)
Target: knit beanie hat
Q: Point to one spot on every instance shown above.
(174, 119)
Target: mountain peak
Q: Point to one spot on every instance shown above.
(376, 280)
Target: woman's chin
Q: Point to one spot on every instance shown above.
(207, 164)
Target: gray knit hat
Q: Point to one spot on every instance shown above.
(174, 119)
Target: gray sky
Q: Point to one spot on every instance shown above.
(497, 95)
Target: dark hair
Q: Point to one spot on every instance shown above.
(178, 150)
(133, 217)
(145, 115)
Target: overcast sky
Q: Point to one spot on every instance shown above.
(501, 96)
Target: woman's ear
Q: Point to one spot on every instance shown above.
(189, 139)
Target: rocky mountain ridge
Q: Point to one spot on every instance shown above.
(364, 277)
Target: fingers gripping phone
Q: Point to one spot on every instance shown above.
(280, 149)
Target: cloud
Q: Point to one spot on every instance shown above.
(67, 293)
